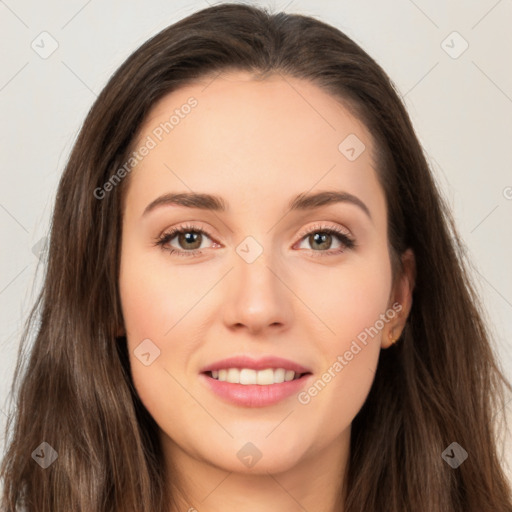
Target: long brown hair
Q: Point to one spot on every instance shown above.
(440, 383)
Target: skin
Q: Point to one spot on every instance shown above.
(256, 143)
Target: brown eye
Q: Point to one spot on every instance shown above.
(326, 241)
(189, 240)
(184, 241)
(323, 239)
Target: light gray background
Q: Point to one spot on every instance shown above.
(461, 108)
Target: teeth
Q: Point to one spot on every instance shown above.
(248, 376)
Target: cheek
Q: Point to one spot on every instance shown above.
(155, 297)
(155, 303)
(352, 302)
(145, 308)
(349, 299)
(164, 305)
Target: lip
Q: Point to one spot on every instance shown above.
(255, 395)
(256, 364)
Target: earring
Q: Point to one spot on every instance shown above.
(392, 338)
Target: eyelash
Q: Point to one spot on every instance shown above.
(346, 241)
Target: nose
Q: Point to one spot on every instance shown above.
(257, 299)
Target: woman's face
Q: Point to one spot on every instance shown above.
(261, 274)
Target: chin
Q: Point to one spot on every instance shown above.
(258, 454)
(274, 463)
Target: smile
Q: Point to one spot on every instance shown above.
(248, 376)
(247, 382)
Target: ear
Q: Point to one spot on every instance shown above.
(401, 298)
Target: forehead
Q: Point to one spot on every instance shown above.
(233, 105)
(259, 138)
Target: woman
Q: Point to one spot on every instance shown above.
(254, 369)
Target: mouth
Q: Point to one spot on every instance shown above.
(248, 382)
(252, 388)
(249, 376)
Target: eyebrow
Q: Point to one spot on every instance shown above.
(304, 201)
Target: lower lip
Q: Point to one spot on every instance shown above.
(255, 395)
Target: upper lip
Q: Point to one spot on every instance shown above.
(261, 363)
